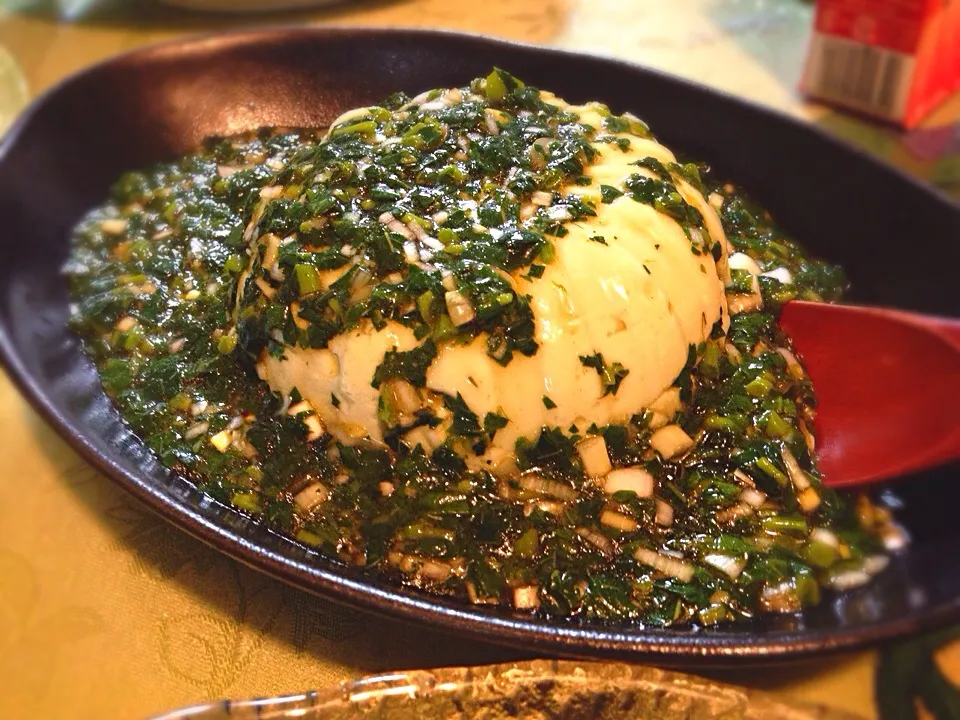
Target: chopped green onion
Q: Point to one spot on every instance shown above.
(246, 501)
(730, 423)
(180, 401)
(447, 236)
(233, 264)
(452, 173)
(758, 387)
(364, 127)
(772, 470)
(132, 338)
(789, 524)
(494, 87)
(807, 590)
(226, 344)
(820, 554)
(528, 543)
(308, 279)
(776, 426)
(309, 538)
(547, 253)
(425, 305)
(444, 328)
(710, 361)
(713, 614)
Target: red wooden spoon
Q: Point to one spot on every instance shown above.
(888, 388)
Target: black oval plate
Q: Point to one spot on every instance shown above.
(898, 239)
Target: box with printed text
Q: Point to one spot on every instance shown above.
(892, 59)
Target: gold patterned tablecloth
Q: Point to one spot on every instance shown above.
(108, 612)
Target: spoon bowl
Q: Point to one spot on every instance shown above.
(887, 385)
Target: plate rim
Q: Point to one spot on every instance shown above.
(485, 684)
(527, 632)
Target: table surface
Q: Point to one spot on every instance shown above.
(108, 612)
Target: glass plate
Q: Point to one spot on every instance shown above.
(531, 690)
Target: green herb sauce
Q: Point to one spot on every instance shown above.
(179, 290)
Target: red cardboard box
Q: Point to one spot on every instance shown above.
(892, 59)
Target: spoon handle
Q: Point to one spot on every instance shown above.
(947, 328)
(910, 379)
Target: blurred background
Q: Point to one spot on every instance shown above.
(752, 48)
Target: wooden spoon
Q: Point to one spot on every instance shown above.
(888, 388)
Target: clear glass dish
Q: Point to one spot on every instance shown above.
(531, 690)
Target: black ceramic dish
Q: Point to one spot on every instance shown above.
(897, 239)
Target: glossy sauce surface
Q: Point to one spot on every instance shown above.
(597, 439)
